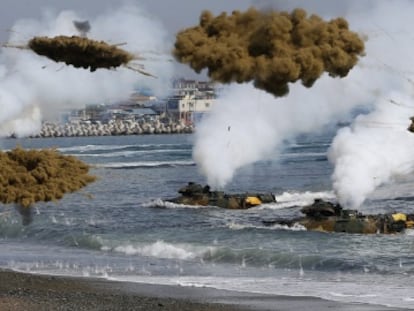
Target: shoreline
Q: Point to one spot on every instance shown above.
(26, 291)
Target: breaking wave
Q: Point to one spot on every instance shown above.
(145, 164)
(237, 226)
(214, 254)
(161, 249)
(127, 153)
(291, 199)
(88, 148)
(165, 204)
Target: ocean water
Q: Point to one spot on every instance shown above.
(121, 227)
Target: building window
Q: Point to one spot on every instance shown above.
(207, 105)
(191, 105)
(183, 105)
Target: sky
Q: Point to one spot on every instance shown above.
(178, 15)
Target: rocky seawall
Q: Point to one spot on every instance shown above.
(112, 128)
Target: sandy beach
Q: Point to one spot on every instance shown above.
(21, 291)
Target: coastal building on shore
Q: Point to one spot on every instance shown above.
(139, 114)
(191, 100)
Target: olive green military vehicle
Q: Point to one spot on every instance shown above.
(330, 217)
(196, 194)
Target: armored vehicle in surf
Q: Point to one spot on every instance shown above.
(329, 217)
(196, 194)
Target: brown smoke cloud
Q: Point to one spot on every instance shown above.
(80, 52)
(29, 176)
(269, 48)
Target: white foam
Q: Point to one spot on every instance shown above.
(307, 196)
(93, 148)
(292, 199)
(165, 204)
(409, 232)
(106, 155)
(125, 153)
(346, 291)
(144, 164)
(84, 148)
(161, 249)
(237, 226)
(294, 227)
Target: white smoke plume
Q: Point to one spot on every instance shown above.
(247, 125)
(377, 148)
(373, 151)
(33, 87)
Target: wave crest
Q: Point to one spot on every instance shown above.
(161, 249)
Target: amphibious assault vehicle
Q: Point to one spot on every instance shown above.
(196, 194)
(319, 216)
(330, 217)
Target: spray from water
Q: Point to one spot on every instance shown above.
(33, 87)
(374, 150)
(377, 149)
(247, 125)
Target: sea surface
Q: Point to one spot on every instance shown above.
(121, 227)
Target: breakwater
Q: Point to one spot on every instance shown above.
(112, 128)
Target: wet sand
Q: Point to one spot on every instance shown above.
(21, 291)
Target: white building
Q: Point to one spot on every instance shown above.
(190, 103)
